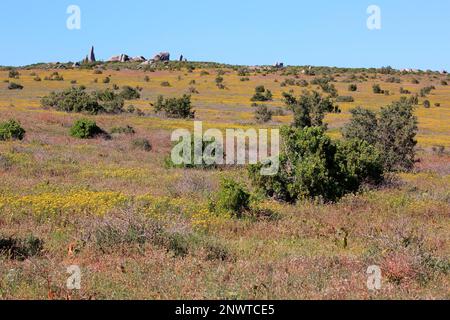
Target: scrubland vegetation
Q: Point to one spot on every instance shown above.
(85, 180)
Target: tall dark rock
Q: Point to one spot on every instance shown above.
(92, 55)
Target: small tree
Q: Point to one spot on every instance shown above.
(363, 125)
(397, 130)
(309, 109)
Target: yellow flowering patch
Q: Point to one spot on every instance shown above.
(77, 202)
(198, 212)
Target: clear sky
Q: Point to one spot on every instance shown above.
(414, 33)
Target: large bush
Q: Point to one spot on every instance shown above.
(78, 100)
(309, 109)
(85, 129)
(363, 125)
(313, 166)
(11, 130)
(397, 130)
(393, 132)
(175, 107)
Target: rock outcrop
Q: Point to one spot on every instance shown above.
(121, 58)
(91, 57)
(138, 59)
(162, 56)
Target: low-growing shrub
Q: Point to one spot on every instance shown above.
(175, 107)
(263, 114)
(404, 91)
(55, 76)
(85, 129)
(11, 130)
(232, 198)
(352, 87)
(123, 130)
(13, 74)
(20, 248)
(345, 99)
(129, 93)
(142, 144)
(376, 88)
(165, 84)
(78, 100)
(426, 91)
(427, 104)
(15, 86)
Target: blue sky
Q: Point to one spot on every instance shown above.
(414, 33)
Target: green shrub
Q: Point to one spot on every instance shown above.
(309, 109)
(363, 125)
(232, 198)
(404, 91)
(129, 93)
(78, 100)
(85, 129)
(13, 74)
(426, 91)
(263, 114)
(352, 87)
(72, 100)
(261, 94)
(313, 166)
(345, 99)
(109, 101)
(397, 129)
(55, 76)
(142, 144)
(175, 107)
(377, 89)
(15, 86)
(393, 133)
(123, 130)
(11, 130)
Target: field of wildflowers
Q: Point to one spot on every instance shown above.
(139, 229)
